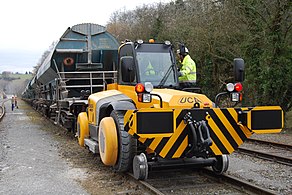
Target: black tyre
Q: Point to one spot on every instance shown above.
(127, 144)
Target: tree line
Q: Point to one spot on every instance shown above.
(216, 32)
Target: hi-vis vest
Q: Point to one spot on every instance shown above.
(149, 70)
(188, 70)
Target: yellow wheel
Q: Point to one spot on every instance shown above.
(82, 127)
(108, 141)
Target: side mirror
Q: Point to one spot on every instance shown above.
(127, 69)
(238, 69)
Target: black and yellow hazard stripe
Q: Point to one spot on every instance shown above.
(225, 131)
(167, 147)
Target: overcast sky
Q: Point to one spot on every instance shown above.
(29, 27)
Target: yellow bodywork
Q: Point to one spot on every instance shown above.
(226, 127)
(93, 99)
(171, 98)
(262, 131)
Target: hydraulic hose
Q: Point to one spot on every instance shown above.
(190, 122)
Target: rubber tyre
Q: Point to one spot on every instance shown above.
(82, 127)
(108, 141)
(127, 145)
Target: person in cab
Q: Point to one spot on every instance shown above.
(187, 73)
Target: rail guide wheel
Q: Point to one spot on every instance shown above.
(221, 164)
(140, 167)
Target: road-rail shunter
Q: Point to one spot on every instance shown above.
(145, 121)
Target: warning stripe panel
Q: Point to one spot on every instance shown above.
(231, 115)
(218, 143)
(215, 148)
(148, 141)
(180, 117)
(228, 126)
(173, 140)
(181, 148)
(218, 133)
(155, 143)
(234, 115)
(161, 145)
(225, 133)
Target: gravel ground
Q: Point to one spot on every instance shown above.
(267, 174)
(29, 162)
(37, 157)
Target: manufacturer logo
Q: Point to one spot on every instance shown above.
(189, 100)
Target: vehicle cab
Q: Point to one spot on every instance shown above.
(141, 62)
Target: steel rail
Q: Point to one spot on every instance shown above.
(146, 185)
(239, 182)
(2, 109)
(280, 145)
(266, 156)
(2, 112)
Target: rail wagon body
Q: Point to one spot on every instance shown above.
(82, 62)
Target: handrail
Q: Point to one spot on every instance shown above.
(90, 76)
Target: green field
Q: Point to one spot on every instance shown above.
(14, 83)
(19, 76)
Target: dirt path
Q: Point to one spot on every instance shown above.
(38, 157)
(30, 162)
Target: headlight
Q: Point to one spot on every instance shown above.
(148, 87)
(140, 41)
(230, 87)
(167, 42)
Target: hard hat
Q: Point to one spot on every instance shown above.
(183, 50)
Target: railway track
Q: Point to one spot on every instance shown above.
(204, 181)
(281, 145)
(197, 181)
(2, 109)
(276, 152)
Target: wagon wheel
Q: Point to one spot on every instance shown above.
(62, 118)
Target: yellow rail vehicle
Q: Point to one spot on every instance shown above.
(147, 121)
